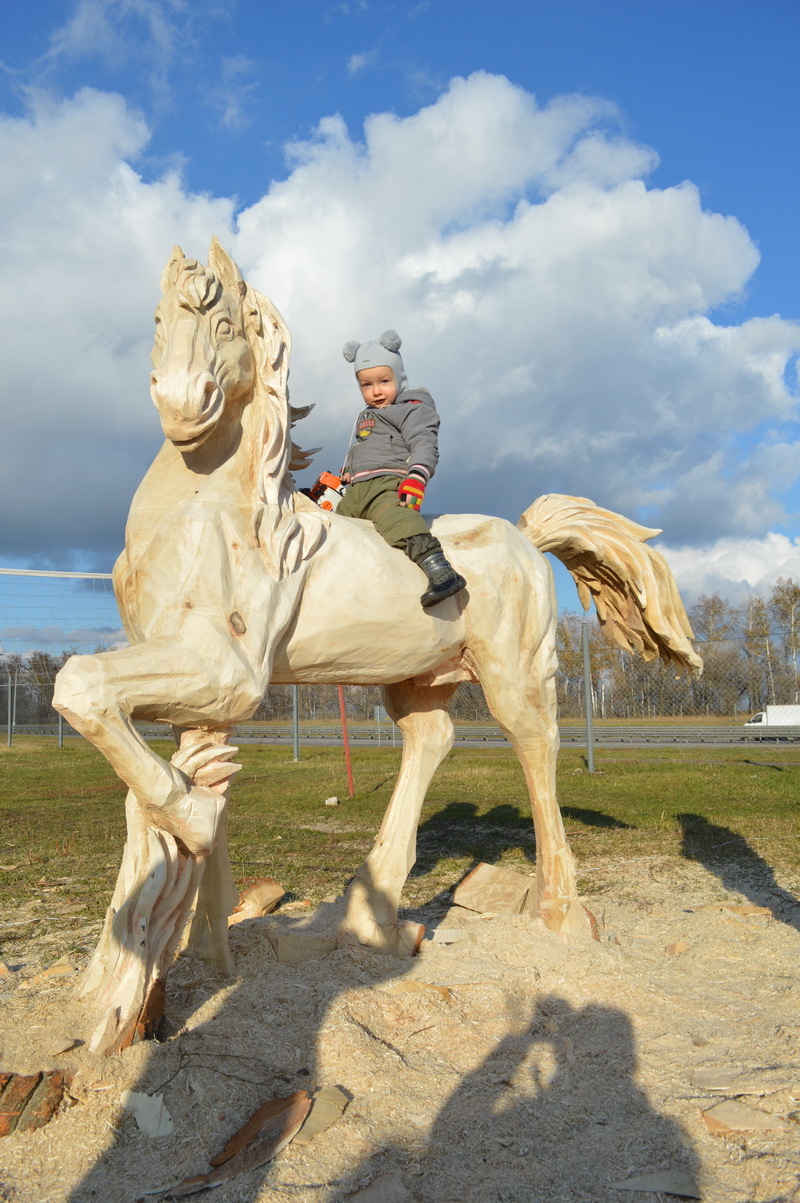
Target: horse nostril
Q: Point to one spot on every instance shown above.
(209, 393)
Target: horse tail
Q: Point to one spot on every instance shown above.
(632, 586)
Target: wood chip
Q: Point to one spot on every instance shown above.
(149, 1112)
(736, 1080)
(259, 899)
(53, 972)
(730, 1116)
(291, 948)
(327, 1106)
(677, 948)
(411, 985)
(447, 935)
(66, 1045)
(670, 1182)
(388, 1188)
(738, 908)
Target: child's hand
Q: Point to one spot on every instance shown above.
(411, 492)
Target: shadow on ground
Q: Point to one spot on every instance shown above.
(739, 867)
(554, 1111)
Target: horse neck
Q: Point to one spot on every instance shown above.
(226, 466)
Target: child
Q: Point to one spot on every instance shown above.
(391, 459)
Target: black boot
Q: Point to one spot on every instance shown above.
(443, 580)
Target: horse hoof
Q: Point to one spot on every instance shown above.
(399, 939)
(192, 818)
(569, 917)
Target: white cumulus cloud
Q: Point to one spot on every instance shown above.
(734, 568)
(560, 310)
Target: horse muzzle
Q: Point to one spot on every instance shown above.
(187, 421)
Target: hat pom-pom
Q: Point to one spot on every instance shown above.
(391, 340)
(350, 350)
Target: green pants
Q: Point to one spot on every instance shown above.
(377, 500)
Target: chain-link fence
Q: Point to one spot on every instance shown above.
(750, 660)
(750, 653)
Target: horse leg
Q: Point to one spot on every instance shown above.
(520, 692)
(101, 694)
(373, 896)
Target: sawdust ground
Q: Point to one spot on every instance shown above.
(546, 1070)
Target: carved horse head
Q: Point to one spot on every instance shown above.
(203, 361)
(222, 346)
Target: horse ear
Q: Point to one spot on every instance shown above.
(224, 268)
(171, 271)
(252, 311)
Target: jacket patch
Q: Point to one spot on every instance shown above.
(365, 428)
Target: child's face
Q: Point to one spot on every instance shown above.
(378, 387)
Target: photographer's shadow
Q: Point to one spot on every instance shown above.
(554, 1112)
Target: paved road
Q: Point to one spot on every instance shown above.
(572, 735)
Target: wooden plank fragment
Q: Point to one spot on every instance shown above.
(18, 1090)
(44, 1102)
(268, 1131)
(730, 1117)
(490, 888)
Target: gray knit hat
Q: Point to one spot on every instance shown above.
(380, 352)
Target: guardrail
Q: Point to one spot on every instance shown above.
(633, 735)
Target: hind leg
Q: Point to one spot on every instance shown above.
(517, 672)
(373, 895)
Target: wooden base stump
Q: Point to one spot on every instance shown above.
(124, 984)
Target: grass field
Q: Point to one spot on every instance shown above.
(62, 817)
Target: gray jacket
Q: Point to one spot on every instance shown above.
(394, 441)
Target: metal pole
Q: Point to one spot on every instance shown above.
(60, 729)
(296, 721)
(587, 693)
(14, 712)
(346, 742)
(8, 711)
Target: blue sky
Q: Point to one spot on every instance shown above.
(580, 216)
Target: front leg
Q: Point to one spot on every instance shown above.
(189, 684)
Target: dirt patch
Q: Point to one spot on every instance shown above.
(503, 1063)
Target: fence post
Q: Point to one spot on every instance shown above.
(296, 722)
(587, 693)
(8, 711)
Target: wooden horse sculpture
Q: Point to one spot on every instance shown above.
(231, 579)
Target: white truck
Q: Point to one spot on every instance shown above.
(776, 716)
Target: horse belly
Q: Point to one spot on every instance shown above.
(360, 620)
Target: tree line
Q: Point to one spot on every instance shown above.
(750, 660)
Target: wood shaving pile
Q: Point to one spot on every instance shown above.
(502, 1063)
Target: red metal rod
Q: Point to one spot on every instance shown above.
(346, 743)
